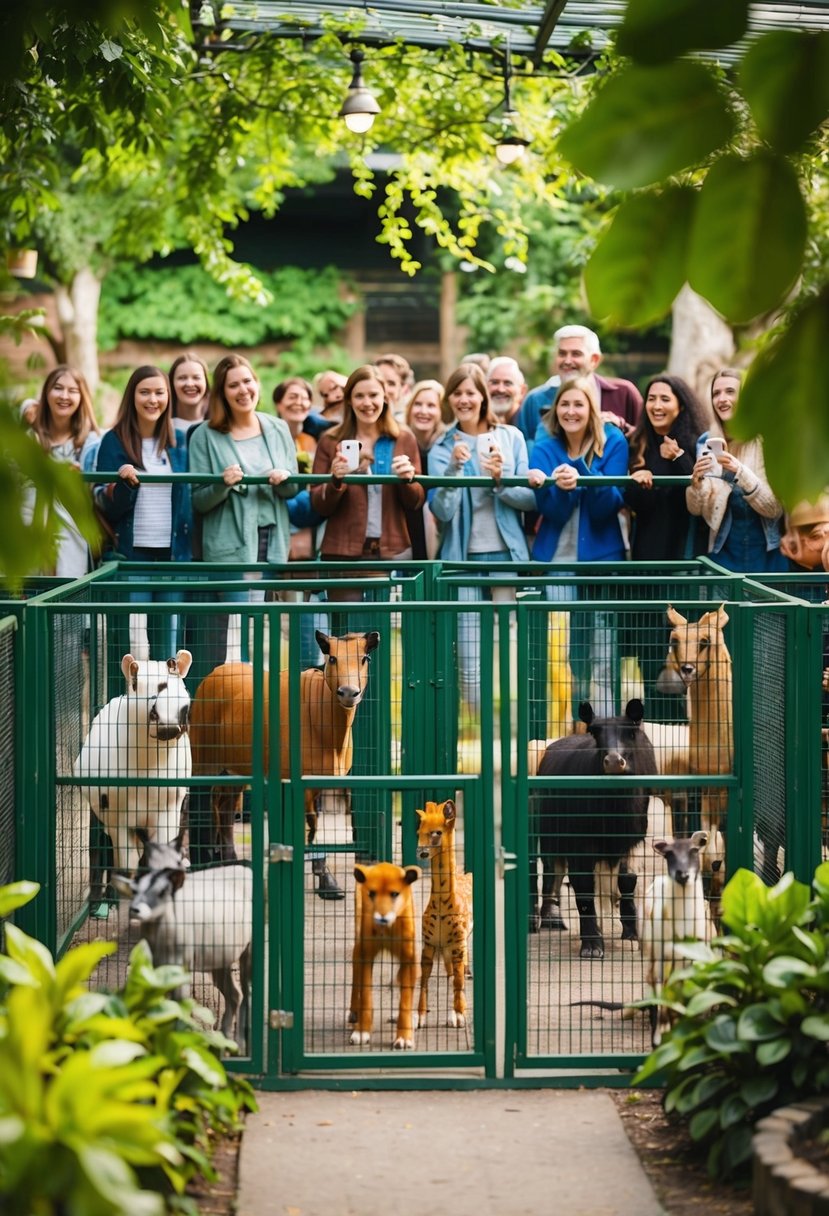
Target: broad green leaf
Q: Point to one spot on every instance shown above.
(784, 971)
(78, 964)
(639, 265)
(653, 30)
(784, 77)
(707, 999)
(736, 1148)
(115, 1053)
(648, 123)
(816, 1027)
(745, 893)
(748, 236)
(721, 1036)
(703, 1122)
(31, 953)
(757, 1023)
(759, 1089)
(732, 1110)
(777, 401)
(773, 1051)
(205, 1065)
(15, 895)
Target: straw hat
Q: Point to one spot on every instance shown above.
(807, 513)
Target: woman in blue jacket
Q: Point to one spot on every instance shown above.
(150, 523)
(580, 523)
(480, 524)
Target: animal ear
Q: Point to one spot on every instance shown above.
(323, 641)
(360, 873)
(372, 640)
(181, 663)
(661, 847)
(722, 616)
(586, 713)
(176, 879)
(449, 811)
(129, 667)
(123, 884)
(421, 814)
(412, 874)
(674, 617)
(699, 839)
(635, 710)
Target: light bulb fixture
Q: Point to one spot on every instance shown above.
(360, 107)
(509, 147)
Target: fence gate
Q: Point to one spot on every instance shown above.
(462, 696)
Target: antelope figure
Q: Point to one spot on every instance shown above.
(447, 920)
(699, 655)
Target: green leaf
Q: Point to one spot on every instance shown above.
(793, 369)
(702, 1002)
(639, 265)
(745, 893)
(773, 1051)
(732, 1110)
(648, 123)
(653, 31)
(785, 79)
(78, 964)
(784, 971)
(721, 1036)
(748, 236)
(15, 895)
(205, 1065)
(759, 1089)
(703, 1122)
(757, 1023)
(736, 1149)
(816, 1027)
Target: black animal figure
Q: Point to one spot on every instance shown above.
(583, 828)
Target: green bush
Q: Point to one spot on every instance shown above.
(752, 1016)
(183, 304)
(107, 1100)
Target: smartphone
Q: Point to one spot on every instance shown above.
(716, 445)
(350, 449)
(486, 445)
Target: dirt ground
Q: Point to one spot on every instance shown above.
(677, 1173)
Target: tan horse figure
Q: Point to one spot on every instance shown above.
(222, 724)
(699, 655)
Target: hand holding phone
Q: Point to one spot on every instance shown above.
(716, 445)
(350, 450)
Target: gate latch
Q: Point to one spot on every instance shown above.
(280, 852)
(281, 1019)
(505, 861)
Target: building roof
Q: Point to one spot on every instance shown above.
(566, 26)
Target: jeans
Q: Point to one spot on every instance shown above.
(469, 640)
(593, 662)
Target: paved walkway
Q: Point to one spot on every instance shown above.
(441, 1153)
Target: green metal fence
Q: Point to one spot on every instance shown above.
(459, 688)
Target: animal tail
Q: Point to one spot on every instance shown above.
(601, 1004)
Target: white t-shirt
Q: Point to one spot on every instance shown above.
(153, 519)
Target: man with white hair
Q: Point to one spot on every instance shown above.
(506, 388)
(578, 353)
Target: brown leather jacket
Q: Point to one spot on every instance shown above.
(346, 507)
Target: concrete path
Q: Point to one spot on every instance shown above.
(441, 1153)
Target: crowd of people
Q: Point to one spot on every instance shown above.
(482, 423)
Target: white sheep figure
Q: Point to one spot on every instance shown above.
(198, 919)
(142, 733)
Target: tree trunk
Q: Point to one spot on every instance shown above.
(77, 306)
(701, 342)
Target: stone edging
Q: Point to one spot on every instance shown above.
(783, 1183)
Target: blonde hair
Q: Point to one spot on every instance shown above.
(434, 386)
(595, 426)
(83, 421)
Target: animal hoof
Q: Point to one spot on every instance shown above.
(327, 886)
(629, 934)
(552, 920)
(591, 951)
(402, 1044)
(456, 1019)
(360, 1038)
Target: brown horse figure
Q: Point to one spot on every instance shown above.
(221, 729)
(698, 653)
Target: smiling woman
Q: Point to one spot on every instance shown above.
(151, 523)
(365, 522)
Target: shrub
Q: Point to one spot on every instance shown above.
(184, 304)
(107, 1100)
(752, 1016)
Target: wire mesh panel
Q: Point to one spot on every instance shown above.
(769, 756)
(8, 738)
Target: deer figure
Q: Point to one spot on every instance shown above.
(447, 920)
(698, 653)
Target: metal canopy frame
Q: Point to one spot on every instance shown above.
(574, 28)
